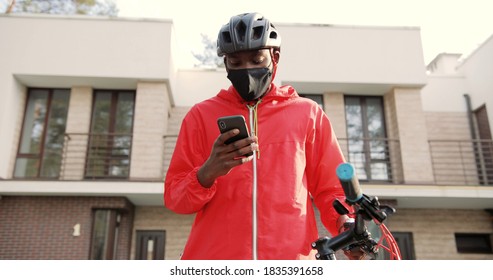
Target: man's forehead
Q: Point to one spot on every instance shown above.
(249, 53)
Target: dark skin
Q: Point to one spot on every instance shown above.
(223, 158)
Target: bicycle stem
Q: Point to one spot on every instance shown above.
(328, 246)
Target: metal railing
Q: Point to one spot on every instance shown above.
(96, 156)
(376, 160)
(462, 162)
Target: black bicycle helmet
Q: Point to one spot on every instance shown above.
(250, 31)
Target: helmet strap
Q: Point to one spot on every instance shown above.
(274, 62)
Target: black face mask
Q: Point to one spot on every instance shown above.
(251, 83)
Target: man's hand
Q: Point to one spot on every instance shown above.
(224, 157)
(355, 252)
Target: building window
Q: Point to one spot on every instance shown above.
(110, 140)
(406, 244)
(150, 245)
(476, 243)
(104, 234)
(40, 149)
(368, 148)
(319, 98)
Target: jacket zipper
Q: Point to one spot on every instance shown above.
(254, 187)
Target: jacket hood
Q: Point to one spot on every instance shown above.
(281, 93)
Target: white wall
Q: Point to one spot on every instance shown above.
(320, 59)
(478, 68)
(444, 63)
(474, 76)
(351, 59)
(86, 47)
(195, 85)
(444, 93)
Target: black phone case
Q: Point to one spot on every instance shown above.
(231, 122)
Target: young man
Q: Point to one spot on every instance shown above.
(260, 206)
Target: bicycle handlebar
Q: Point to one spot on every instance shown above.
(354, 195)
(366, 208)
(349, 182)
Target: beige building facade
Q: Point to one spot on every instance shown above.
(91, 108)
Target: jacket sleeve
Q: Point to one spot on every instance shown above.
(323, 156)
(183, 193)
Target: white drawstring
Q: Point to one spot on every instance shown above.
(253, 119)
(254, 124)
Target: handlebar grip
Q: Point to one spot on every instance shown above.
(349, 181)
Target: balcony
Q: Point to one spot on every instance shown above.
(96, 156)
(462, 162)
(377, 160)
(465, 162)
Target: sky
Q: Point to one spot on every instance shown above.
(451, 26)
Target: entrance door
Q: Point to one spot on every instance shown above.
(150, 245)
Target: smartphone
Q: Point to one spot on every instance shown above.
(230, 122)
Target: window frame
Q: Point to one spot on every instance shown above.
(111, 238)
(308, 95)
(465, 237)
(111, 131)
(405, 241)
(159, 248)
(39, 156)
(366, 135)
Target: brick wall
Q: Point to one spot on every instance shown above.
(453, 162)
(150, 125)
(406, 122)
(433, 231)
(42, 227)
(78, 121)
(447, 125)
(335, 110)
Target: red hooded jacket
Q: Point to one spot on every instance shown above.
(299, 155)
